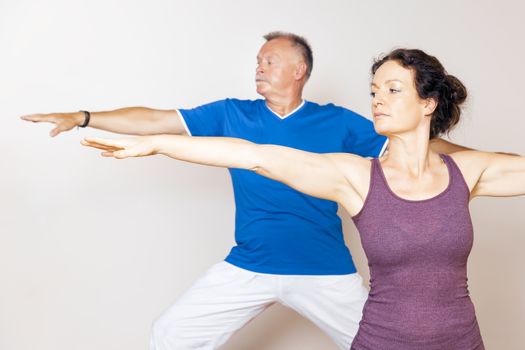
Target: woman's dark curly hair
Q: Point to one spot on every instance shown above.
(432, 81)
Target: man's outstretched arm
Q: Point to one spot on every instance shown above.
(130, 120)
(442, 146)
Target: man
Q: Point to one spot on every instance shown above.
(290, 247)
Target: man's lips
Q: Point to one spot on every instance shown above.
(380, 115)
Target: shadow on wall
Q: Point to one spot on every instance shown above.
(279, 328)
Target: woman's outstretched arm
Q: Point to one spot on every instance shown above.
(492, 174)
(318, 175)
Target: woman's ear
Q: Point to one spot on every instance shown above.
(430, 106)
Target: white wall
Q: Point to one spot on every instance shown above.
(92, 249)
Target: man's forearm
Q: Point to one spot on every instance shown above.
(131, 120)
(138, 121)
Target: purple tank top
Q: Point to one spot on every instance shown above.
(417, 252)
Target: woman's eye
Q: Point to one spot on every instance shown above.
(372, 94)
(394, 90)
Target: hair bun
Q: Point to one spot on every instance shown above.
(458, 91)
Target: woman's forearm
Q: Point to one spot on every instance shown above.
(215, 151)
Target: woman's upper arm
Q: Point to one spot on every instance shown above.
(492, 174)
(355, 171)
(319, 175)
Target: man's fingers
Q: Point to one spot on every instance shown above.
(55, 131)
(48, 118)
(33, 117)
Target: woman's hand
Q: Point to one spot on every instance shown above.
(141, 146)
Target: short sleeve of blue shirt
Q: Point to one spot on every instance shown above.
(206, 120)
(363, 139)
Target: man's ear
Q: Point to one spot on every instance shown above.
(300, 70)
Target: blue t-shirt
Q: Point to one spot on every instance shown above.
(279, 230)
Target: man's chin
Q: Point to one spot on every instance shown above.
(261, 90)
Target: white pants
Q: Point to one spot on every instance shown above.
(227, 297)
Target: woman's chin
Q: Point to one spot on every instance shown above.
(382, 129)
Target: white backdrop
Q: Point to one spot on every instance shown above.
(93, 249)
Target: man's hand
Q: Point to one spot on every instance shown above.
(123, 148)
(63, 121)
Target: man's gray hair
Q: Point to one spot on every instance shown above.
(300, 43)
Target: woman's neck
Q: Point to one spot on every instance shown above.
(410, 152)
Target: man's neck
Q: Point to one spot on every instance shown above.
(283, 107)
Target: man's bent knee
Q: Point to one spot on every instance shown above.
(169, 334)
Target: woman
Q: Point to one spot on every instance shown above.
(410, 206)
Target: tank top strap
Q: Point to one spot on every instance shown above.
(457, 181)
(375, 174)
(377, 178)
(376, 184)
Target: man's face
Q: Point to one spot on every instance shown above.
(277, 64)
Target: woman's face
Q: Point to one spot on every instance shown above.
(396, 105)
